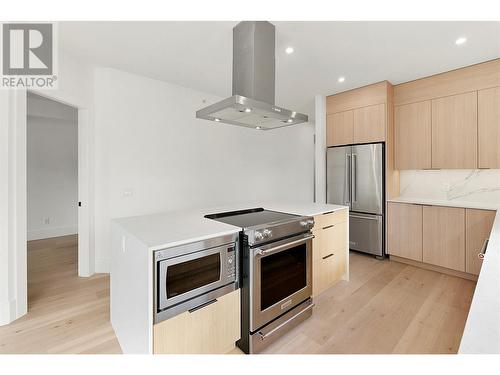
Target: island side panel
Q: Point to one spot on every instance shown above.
(130, 292)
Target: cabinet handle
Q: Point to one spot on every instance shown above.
(202, 305)
(483, 250)
(328, 256)
(328, 226)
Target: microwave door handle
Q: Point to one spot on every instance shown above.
(281, 247)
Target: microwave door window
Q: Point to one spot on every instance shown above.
(282, 275)
(193, 274)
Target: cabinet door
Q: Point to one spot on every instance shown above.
(478, 224)
(339, 129)
(405, 230)
(369, 124)
(489, 128)
(212, 329)
(444, 237)
(454, 131)
(413, 135)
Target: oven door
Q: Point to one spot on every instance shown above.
(281, 278)
(188, 276)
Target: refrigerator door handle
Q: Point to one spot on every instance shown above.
(347, 187)
(353, 173)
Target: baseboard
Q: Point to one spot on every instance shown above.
(7, 312)
(432, 267)
(40, 234)
(102, 265)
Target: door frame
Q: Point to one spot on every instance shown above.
(86, 261)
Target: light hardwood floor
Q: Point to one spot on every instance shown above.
(66, 314)
(386, 307)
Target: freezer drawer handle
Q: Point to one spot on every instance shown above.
(365, 217)
(277, 328)
(328, 256)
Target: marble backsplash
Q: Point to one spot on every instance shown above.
(476, 185)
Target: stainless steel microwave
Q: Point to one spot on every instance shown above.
(192, 276)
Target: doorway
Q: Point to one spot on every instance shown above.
(52, 195)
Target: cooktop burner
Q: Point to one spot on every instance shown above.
(252, 217)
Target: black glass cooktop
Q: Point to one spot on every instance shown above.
(250, 218)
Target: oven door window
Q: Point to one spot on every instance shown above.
(282, 274)
(193, 274)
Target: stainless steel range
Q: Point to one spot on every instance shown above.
(276, 277)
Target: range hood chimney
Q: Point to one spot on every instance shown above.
(252, 104)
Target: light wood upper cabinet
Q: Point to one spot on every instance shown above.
(454, 131)
(444, 237)
(405, 230)
(413, 135)
(489, 127)
(369, 124)
(478, 224)
(339, 128)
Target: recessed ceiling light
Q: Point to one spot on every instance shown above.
(341, 79)
(289, 120)
(258, 128)
(248, 110)
(217, 119)
(289, 50)
(460, 41)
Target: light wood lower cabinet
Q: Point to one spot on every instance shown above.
(213, 329)
(444, 237)
(329, 250)
(405, 230)
(447, 237)
(478, 224)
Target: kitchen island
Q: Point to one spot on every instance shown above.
(134, 242)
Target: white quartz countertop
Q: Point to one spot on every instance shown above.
(482, 329)
(169, 229)
(447, 203)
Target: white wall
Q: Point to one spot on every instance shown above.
(152, 154)
(52, 168)
(480, 185)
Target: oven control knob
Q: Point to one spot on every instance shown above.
(230, 260)
(310, 222)
(267, 233)
(259, 236)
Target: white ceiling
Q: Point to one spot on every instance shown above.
(199, 54)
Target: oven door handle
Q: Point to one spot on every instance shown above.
(285, 245)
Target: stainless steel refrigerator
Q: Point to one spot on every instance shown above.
(355, 178)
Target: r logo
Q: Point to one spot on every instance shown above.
(27, 49)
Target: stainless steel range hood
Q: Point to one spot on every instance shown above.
(252, 103)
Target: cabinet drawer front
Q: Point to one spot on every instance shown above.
(212, 329)
(325, 220)
(329, 241)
